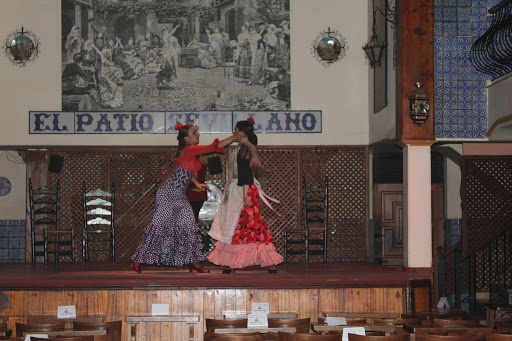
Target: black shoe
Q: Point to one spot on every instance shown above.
(228, 271)
(272, 270)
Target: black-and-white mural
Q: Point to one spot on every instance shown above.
(157, 55)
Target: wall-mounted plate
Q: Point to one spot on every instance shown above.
(21, 47)
(329, 47)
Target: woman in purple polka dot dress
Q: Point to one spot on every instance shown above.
(172, 238)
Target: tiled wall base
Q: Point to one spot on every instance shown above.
(12, 241)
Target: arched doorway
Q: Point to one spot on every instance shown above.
(124, 28)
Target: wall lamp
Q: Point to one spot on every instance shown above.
(419, 105)
(375, 48)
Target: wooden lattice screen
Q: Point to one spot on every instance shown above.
(134, 174)
(486, 193)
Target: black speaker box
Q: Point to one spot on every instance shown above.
(56, 163)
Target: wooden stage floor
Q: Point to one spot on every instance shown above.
(120, 276)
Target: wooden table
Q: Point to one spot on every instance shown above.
(69, 332)
(441, 313)
(447, 330)
(361, 315)
(68, 321)
(134, 320)
(369, 327)
(283, 316)
(253, 330)
(494, 311)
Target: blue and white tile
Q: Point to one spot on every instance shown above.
(438, 116)
(438, 72)
(450, 87)
(4, 243)
(478, 13)
(492, 3)
(478, 28)
(463, 43)
(481, 76)
(467, 116)
(449, 28)
(438, 13)
(479, 87)
(438, 87)
(438, 43)
(450, 57)
(450, 102)
(464, 28)
(438, 57)
(479, 117)
(438, 130)
(438, 28)
(4, 231)
(450, 72)
(450, 43)
(449, 13)
(465, 87)
(465, 131)
(464, 73)
(463, 13)
(4, 255)
(479, 131)
(464, 3)
(464, 102)
(479, 3)
(450, 130)
(479, 102)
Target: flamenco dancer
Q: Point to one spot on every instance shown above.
(243, 238)
(172, 238)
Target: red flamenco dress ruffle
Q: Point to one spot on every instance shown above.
(252, 243)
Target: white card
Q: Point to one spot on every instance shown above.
(66, 312)
(159, 309)
(443, 303)
(260, 308)
(41, 336)
(335, 321)
(353, 330)
(257, 321)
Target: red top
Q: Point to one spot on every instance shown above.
(189, 161)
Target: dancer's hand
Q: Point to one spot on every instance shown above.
(203, 187)
(247, 200)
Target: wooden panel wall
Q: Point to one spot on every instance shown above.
(207, 303)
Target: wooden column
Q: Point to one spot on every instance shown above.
(416, 65)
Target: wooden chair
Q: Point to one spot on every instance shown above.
(498, 337)
(234, 337)
(46, 234)
(65, 338)
(462, 337)
(114, 328)
(300, 325)
(23, 328)
(503, 327)
(212, 324)
(282, 336)
(12, 338)
(402, 321)
(98, 232)
(401, 337)
(455, 323)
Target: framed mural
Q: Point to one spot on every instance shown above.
(134, 55)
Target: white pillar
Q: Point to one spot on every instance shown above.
(78, 16)
(418, 207)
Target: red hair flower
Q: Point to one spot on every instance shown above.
(178, 126)
(250, 120)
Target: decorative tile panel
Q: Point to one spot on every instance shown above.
(12, 241)
(460, 97)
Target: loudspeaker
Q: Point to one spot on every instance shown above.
(56, 163)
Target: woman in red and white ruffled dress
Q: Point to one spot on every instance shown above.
(243, 238)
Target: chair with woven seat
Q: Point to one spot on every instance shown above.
(300, 325)
(212, 324)
(283, 336)
(46, 234)
(401, 337)
(461, 337)
(455, 323)
(234, 337)
(98, 233)
(40, 328)
(114, 328)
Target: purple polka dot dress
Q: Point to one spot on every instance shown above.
(172, 238)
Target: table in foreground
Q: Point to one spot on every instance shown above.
(134, 320)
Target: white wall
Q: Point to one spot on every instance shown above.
(12, 205)
(340, 91)
(453, 176)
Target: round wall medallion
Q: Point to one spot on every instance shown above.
(5, 186)
(329, 47)
(21, 47)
